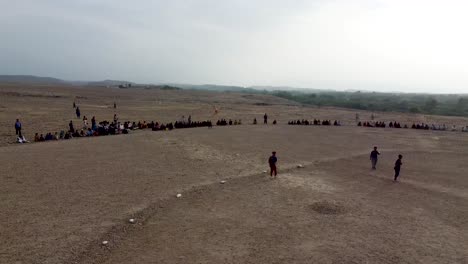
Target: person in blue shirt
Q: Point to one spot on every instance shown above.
(18, 128)
(272, 162)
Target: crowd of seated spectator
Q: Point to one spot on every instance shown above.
(372, 124)
(223, 122)
(315, 122)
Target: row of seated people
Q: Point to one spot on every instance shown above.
(395, 125)
(426, 126)
(223, 122)
(316, 122)
(179, 124)
(191, 124)
(381, 124)
(434, 127)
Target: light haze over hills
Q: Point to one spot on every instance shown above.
(381, 45)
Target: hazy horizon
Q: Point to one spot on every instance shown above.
(384, 46)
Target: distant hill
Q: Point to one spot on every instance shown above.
(110, 83)
(30, 79)
(211, 87)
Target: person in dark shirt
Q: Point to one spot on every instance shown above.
(374, 157)
(78, 112)
(397, 167)
(72, 129)
(265, 119)
(272, 162)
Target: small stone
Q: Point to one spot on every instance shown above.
(105, 243)
(132, 221)
(222, 182)
(179, 195)
(300, 166)
(264, 171)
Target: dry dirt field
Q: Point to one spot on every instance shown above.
(60, 200)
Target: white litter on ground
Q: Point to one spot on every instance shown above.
(222, 182)
(300, 166)
(105, 242)
(264, 171)
(179, 195)
(131, 221)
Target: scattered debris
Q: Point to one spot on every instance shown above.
(105, 243)
(264, 171)
(222, 182)
(179, 195)
(132, 221)
(300, 166)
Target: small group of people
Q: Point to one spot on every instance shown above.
(224, 122)
(374, 156)
(315, 122)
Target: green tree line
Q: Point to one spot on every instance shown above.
(455, 105)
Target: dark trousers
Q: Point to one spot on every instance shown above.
(273, 170)
(397, 173)
(18, 131)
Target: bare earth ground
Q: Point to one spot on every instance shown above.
(59, 200)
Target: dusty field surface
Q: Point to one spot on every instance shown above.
(60, 200)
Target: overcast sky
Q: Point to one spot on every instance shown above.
(381, 45)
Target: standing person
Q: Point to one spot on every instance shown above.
(85, 122)
(374, 157)
(115, 105)
(18, 128)
(78, 112)
(272, 162)
(115, 118)
(93, 123)
(74, 104)
(397, 167)
(72, 129)
(265, 119)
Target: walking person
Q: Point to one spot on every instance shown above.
(18, 128)
(374, 157)
(265, 119)
(397, 167)
(272, 162)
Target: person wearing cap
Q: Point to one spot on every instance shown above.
(397, 167)
(374, 157)
(272, 161)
